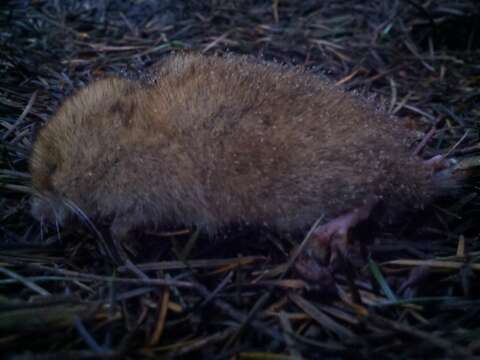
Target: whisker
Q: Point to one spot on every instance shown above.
(82, 215)
(57, 225)
(86, 220)
(37, 194)
(42, 228)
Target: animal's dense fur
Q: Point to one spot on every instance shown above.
(211, 141)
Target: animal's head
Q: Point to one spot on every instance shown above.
(75, 150)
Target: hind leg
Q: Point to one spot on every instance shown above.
(328, 239)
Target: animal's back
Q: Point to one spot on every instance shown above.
(269, 144)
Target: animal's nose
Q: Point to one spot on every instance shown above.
(40, 209)
(44, 210)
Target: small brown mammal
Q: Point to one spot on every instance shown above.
(210, 141)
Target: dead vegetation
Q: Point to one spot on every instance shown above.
(413, 291)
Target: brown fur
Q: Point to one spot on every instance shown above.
(211, 141)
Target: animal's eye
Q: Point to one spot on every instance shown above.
(51, 168)
(123, 111)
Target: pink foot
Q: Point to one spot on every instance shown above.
(439, 163)
(330, 238)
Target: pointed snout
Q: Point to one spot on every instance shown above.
(49, 210)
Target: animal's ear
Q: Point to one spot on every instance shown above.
(122, 111)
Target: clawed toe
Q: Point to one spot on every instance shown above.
(312, 270)
(326, 241)
(318, 261)
(439, 163)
